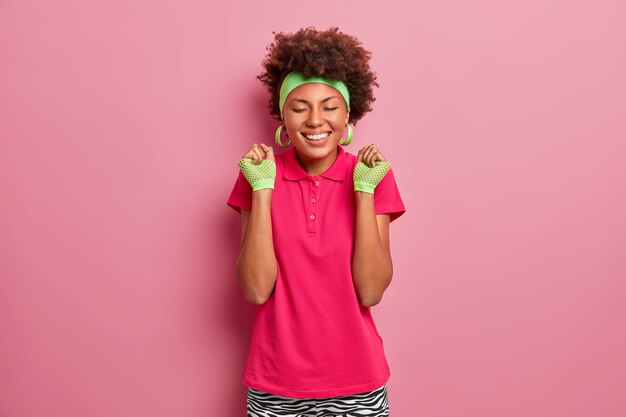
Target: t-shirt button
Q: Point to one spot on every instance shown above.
(313, 200)
(317, 183)
(312, 216)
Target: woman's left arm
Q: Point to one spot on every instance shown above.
(372, 267)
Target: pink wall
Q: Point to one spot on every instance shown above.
(120, 126)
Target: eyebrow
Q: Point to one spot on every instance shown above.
(306, 102)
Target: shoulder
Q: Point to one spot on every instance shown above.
(281, 164)
(279, 157)
(350, 159)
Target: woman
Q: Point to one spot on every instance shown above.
(315, 250)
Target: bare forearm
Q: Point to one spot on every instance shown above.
(371, 262)
(256, 265)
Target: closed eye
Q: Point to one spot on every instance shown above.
(330, 108)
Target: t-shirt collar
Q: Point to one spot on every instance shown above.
(294, 172)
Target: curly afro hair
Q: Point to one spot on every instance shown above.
(329, 53)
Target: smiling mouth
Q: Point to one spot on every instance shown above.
(318, 136)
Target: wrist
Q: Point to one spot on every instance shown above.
(262, 193)
(263, 184)
(363, 198)
(262, 198)
(364, 187)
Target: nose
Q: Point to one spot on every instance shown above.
(315, 118)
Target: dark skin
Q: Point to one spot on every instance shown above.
(310, 114)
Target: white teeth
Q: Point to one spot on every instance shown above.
(317, 137)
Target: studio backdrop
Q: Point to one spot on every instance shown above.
(121, 123)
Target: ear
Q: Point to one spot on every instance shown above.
(347, 117)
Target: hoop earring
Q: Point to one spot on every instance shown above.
(278, 141)
(349, 137)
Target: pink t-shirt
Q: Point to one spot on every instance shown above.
(312, 338)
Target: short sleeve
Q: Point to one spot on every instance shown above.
(387, 198)
(241, 195)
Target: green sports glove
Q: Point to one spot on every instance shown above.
(259, 176)
(366, 178)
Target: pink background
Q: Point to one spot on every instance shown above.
(120, 126)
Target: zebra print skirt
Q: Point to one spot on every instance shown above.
(367, 404)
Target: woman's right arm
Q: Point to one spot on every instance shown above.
(256, 265)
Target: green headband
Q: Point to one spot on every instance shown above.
(296, 78)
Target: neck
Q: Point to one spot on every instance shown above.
(315, 167)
